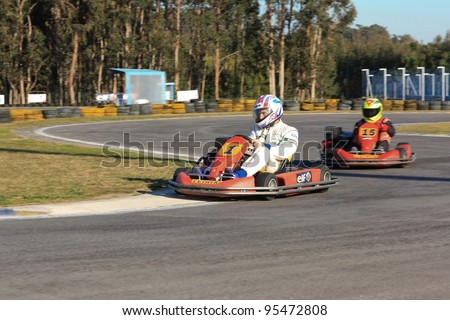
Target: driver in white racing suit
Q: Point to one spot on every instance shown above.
(273, 140)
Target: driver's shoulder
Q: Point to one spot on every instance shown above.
(285, 129)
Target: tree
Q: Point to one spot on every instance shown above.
(23, 53)
(319, 21)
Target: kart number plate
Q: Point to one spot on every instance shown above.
(368, 132)
(231, 149)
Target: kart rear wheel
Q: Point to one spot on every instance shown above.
(402, 154)
(266, 179)
(332, 132)
(325, 175)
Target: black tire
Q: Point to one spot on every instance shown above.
(211, 106)
(423, 105)
(290, 105)
(200, 107)
(435, 107)
(199, 110)
(343, 106)
(190, 107)
(402, 153)
(346, 102)
(332, 132)
(266, 179)
(64, 111)
(76, 112)
(50, 113)
(5, 116)
(178, 171)
(325, 175)
(145, 109)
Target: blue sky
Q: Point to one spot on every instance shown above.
(422, 19)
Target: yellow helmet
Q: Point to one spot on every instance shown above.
(372, 110)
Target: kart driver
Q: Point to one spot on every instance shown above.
(272, 139)
(373, 113)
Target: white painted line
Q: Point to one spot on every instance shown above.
(412, 134)
(41, 132)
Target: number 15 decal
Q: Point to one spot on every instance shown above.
(368, 132)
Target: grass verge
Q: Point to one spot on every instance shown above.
(426, 128)
(34, 171)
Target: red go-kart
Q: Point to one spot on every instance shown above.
(212, 175)
(336, 151)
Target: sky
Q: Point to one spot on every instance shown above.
(422, 19)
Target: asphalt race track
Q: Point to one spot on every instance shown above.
(381, 234)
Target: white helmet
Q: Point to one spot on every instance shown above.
(268, 108)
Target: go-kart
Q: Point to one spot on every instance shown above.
(336, 152)
(212, 175)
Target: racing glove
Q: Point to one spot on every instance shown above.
(257, 144)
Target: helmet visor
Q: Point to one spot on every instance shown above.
(369, 113)
(261, 114)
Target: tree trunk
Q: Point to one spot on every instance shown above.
(282, 49)
(315, 40)
(73, 69)
(272, 82)
(126, 48)
(177, 45)
(217, 51)
(99, 88)
(242, 75)
(202, 95)
(189, 79)
(20, 36)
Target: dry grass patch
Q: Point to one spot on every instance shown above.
(41, 172)
(426, 128)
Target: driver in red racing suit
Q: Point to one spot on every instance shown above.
(373, 113)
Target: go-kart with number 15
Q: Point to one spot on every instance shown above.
(212, 175)
(336, 151)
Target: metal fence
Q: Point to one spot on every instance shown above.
(402, 84)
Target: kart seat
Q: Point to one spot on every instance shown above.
(282, 168)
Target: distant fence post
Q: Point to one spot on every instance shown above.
(369, 92)
(442, 70)
(403, 77)
(385, 75)
(422, 82)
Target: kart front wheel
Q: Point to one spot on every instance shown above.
(266, 179)
(178, 171)
(325, 175)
